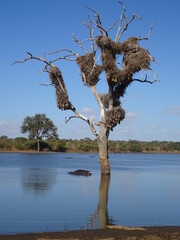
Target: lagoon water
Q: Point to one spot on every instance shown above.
(37, 194)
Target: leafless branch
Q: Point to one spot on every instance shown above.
(47, 85)
(87, 39)
(154, 74)
(127, 24)
(110, 28)
(67, 120)
(123, 16)
(102, 30)
(152, 58)
(67, 57)
(98, 22)
(64, 50)
(79, 43)
(144, 81)
(96, 95)
(87, 120)
(149, 34)
(91, 36)
(97, 60)
(121, 19)
(30, 56)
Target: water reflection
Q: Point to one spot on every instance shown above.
(100, 218)
(38, 180)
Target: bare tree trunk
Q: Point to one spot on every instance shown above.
(38, 145)
(103, 147)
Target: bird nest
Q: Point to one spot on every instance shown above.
(109, 51)
(61, 92)
(135, 58)
(89, 69)
(114, 117)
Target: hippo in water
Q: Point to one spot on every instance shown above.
(81, 172)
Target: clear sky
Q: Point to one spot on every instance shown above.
(38, 26)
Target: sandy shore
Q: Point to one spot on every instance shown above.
(150, 233)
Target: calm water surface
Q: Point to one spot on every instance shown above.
(37, 194)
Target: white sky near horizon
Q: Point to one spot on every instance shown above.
(152, 111)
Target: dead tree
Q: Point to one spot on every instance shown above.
(134, 59)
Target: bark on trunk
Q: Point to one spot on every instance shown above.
(103, 147)
(38, 145)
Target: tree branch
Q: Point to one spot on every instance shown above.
(66, 57)
(87, 120)
(96, 95)
(110, 28)
(30, 57)
(98, 22)
(79, 43)
(144, 81)
(121, 19)
(91, 37)
(148, 36)
(64, 50)
(123, 16)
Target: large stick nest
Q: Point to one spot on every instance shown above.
(135, 58)
(114, 117)
(61, 92)
(109, 51)
(89, 69)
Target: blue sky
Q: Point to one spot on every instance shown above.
(152, 111)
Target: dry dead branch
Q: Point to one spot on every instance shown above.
(122, 29)
(30, 57)
(149, 34)
(98, 22)
(64, 50)
(87, 120)
(79, 43)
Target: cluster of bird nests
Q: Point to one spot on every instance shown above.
(109, 50)
(135, 58)
(61, 92)
(89, 69)
(114, 117)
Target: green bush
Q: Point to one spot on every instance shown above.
(135, 146)
(6, 144)
(31, 145)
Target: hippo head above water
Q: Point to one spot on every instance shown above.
(81, 172)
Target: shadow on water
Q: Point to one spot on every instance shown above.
(38, 180)
(100, 218)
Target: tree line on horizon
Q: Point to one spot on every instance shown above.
(42, 136)
(86, 145)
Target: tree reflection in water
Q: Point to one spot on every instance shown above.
(100, 218)
(38, 180)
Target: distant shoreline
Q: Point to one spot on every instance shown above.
(81, 152)
(151, 233)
